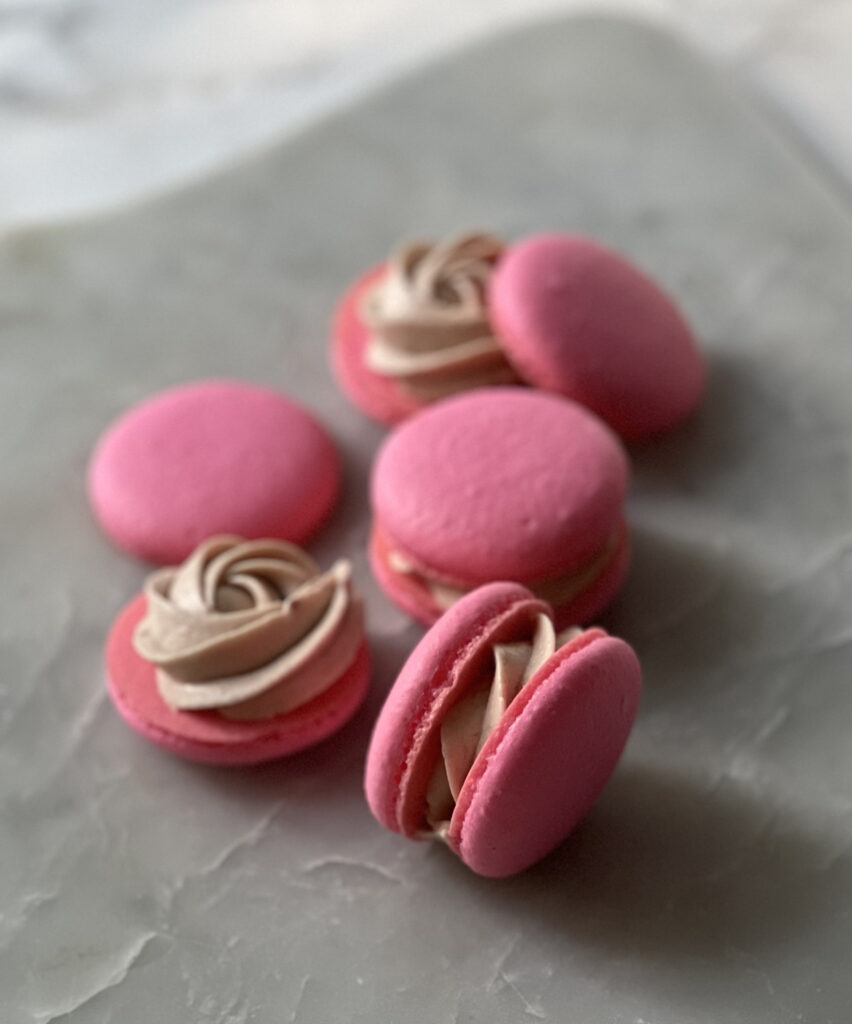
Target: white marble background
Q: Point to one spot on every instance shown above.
(106, 101)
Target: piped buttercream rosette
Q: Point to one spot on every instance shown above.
(249, 629)
(429, 318)
(471, 722)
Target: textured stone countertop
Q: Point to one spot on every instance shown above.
(712, 884)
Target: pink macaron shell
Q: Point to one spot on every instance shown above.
(381, 398)
(500, 483)
(589, 604)
(550, 757)
(580, 320)
(207, 458)
(413, 596)
(406, 591)
(406, 740)
(207, 736)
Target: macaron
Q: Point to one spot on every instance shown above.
(416, 329)
(500, 733)
(243, 654)
(501, 484)
(578, 319)
(217, 456)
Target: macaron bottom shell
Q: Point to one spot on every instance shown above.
(410, 593)
(207, 736)
(381, 398)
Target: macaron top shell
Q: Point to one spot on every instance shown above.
(212, 457)
(576, 318)
(500, 483)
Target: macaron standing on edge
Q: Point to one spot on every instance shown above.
(578, 319)
(217, 456)
(501, 484)
(500, 734)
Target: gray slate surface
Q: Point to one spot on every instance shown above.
(712, 884)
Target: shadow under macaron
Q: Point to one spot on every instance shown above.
(669, 867)
(728, 632)
(714, 439)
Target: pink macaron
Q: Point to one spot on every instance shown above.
(501, 484)
(417, 329)
(578, 319)
(245, 653)
(212, 457)
(500, 734)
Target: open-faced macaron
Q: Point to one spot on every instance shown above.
(213, 457)
(500, 733)
(417, 329)
(577, 318)
(244, 653)
(501, 484)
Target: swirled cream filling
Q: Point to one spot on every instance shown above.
(429, 320)
(250, 629)
(474, 718)
(556, 591)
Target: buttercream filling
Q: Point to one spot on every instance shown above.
(557, 591)
(429, 321)
(474, 718)
(250, 629)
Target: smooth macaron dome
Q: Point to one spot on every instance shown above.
(500, 733)
(417, 328)
(217, 456)
(245, 652)
(576, 318)
(501, 484)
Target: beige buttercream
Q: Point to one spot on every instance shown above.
(474, 718)
(429, 319)
(250, 629)
(557, 591)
